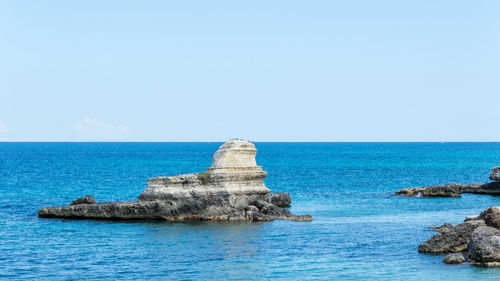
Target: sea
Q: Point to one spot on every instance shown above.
(360, 229)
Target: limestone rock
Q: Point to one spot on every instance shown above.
(442, 228)
(472, 218)
(495, 174)
(231, 189)
(491, 188)
(456, 190)
(471, 188)
(234, 171)
(491, 216)
(235, 155)
(89, 199)
(484, 244)
(454, 239)
(454, 258)
(281, 199)
(449, 190)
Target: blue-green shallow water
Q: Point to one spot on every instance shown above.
(360, 230)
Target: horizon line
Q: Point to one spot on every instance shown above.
(45, 141)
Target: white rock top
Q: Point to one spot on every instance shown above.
(234, 171)
(235, 156)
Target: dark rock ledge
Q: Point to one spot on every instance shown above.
(456, 190)
(478, 237)
(232, 189)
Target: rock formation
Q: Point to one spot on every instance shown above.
(450, 190)
(89, 199)
(456, 190)
(484, 245)
(451, 240)
(231, 189)
(454, 258)
(495, 174)
(479, 236)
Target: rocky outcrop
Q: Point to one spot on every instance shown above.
(491, 188)
(231, 189)
(491, 216)
(478, 235)
(89, 199)
(495, 174)
(281, 199)
(454, 258)
(452, 240)
(456, 190)
(484, 246)
(442, 228)
(451, 190)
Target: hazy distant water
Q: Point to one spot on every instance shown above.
(360, 230)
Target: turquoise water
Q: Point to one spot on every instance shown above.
(360, 230)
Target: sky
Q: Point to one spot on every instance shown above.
(261, 70)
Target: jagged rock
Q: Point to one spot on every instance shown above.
(495, 174)
(231, 189)
(411, 191)
(281, 199)
(233, 172)
(456, 190)
(484, 245)
(471, 188)
(454, 258)
(481, 231)
(89, 199)
(441, 228)
(449, 190)
(472, 218)
(491, 216)
(455, 239)
(491, 188)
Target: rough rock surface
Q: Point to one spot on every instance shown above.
(89, 199)
(495, 174)
(441, 228)
(231, 189)
(452, 240)
(491, 188)
(491, 216)
(281, 199)
(484, 245)
(482, 233)
(451, 190)
(454, 258)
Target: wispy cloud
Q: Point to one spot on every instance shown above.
(93, 129)
(4, 130)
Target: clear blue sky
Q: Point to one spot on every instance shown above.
(259, 70)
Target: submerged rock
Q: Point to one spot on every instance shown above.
(454, 258)
(231, 189)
